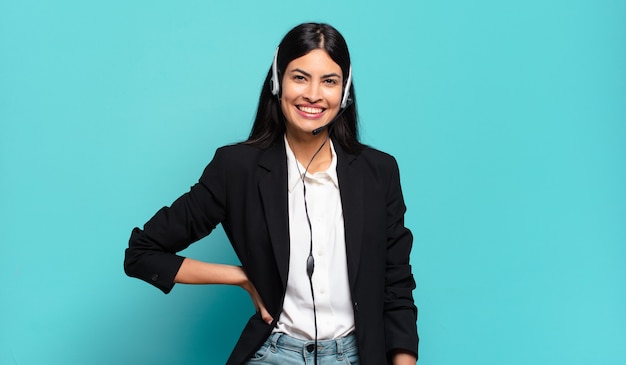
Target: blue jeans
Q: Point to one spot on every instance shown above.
(280, 349)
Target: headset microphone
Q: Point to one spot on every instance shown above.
(318, 130)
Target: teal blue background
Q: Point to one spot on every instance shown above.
(508, 119)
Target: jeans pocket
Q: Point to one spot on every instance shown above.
(261, 353)
(351, 358)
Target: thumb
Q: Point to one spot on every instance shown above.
(265, 315)
(260, 307)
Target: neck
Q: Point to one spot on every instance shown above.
(306, 151)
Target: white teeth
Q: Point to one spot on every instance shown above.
(310, 110)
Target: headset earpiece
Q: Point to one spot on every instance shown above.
(274, 82)
(346, 91)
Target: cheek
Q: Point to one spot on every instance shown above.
(286, 108)
(288, 90)
(283, 107)
(334, 97)
(285, 96)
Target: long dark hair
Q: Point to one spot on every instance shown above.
(269, 123)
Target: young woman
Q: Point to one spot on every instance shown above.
(315, 217)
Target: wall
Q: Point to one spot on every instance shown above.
(508, 120)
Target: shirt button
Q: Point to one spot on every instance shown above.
(322, 290)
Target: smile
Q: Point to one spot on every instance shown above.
(310, 110)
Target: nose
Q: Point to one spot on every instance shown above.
(312, 93)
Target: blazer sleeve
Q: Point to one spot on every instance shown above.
(400, 311)
(151, 253)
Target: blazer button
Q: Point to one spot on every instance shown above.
(356, 306)
(155, 277)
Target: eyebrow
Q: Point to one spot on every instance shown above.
(309, 75)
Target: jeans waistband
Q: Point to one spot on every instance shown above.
(337, 346)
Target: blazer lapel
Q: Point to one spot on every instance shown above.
(273, 190)
(352, 190)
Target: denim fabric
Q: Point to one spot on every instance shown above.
(280, 349)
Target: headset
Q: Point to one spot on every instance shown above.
(345, 102)
(275, 83)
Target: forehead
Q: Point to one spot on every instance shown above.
(317, 60)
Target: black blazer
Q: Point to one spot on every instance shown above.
(245, 189)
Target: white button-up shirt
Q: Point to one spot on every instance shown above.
(335, 317)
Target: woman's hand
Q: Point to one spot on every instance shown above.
(198, 272)
(403, 358)
(257, 301)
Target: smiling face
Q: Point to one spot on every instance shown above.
(311, 92)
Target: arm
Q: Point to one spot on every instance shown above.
(198, 272)
(400, 311)
(151, 253)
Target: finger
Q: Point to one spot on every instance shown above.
(265, 315)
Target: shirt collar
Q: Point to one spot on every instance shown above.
(293, 175)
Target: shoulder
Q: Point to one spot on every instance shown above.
(242, 158)
(238, 154)
(377, 159)
(377, 155)
(238, 149)
(373, 167)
